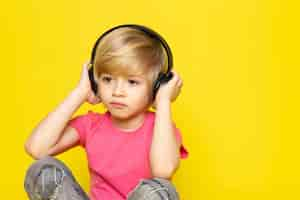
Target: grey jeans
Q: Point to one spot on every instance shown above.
(50, 179)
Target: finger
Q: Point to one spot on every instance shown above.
(180, 82)
(94, 100)
(177, 78)
(89, 99)
(93, 96)
(85, 65)
(176, 75)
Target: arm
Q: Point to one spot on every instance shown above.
(47, 133)
(164, 153)
(51, 136)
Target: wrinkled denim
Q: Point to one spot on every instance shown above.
(50, 179)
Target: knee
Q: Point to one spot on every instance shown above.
(46, 162)
(47, 166)
(40, 163)
(42, 176)
(154, 188)
(46, 159)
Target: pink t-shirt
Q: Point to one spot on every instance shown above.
(117, 160)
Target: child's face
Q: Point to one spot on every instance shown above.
(132, 91)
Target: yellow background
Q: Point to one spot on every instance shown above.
(238, 110)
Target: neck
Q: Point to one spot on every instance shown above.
(130, 124)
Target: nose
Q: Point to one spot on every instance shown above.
(118, 89)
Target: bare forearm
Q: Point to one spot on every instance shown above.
(48, 131)
(164, 154)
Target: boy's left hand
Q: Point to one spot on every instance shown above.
(169, 91)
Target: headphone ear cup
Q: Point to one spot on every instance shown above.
(93, 83)
(167, 77)
(157, 84)
(162, 78)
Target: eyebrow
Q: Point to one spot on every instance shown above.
(137, 76)
(129, 76)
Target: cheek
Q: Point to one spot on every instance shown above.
(104, 93)
(141, 96)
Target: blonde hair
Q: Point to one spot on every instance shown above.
(128, 51)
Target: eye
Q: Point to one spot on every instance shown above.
(133, 82)
(106, 79)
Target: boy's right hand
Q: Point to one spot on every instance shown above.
(84, 86)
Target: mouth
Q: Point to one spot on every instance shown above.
(117, 104)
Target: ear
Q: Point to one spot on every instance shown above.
(152, 104)
(98, 94)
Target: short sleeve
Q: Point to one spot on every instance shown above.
(183, 150)
(82, 123)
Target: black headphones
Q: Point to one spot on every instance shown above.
(163, 77)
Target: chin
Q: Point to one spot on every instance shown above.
(119, 114)
(124, 115)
